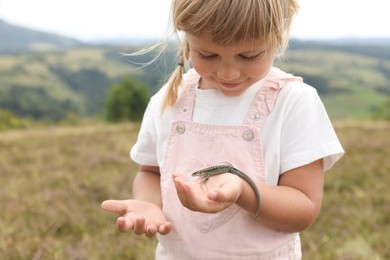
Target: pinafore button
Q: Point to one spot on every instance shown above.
(180, 129)
(256, 117)
(248, 135)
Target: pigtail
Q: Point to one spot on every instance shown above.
(175, 81)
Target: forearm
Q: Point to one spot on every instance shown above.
(292, 205)
(146, 185)
(283, 208)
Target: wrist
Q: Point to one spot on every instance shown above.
(249, 198)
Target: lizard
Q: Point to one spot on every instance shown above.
(206, 173)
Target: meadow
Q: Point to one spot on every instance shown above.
(53, 180)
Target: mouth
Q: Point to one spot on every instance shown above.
(230, 85)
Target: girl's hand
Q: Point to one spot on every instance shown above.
(216, 194)
(140, 216)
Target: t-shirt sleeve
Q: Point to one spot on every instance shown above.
(144, 150)
(307, 134)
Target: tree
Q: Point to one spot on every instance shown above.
(383, 112)
(90, 83)
(127, 100)
(10, 121)
(35, 102)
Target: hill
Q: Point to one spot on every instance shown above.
(351, 76)
(371, 47)
(54, 84)
(352, 80)
(17, 38)
(51, 85)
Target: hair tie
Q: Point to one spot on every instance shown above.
(181, 64)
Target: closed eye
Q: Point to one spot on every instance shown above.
(242, 56)
(252, 58)
(208, 57)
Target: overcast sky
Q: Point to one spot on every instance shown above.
(99, 19)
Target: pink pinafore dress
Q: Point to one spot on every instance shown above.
(231, 233)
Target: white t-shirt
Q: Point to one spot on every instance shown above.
(296, 133)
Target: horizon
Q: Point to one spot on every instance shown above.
(90, 20)
(149, 38)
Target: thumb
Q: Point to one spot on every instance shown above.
(116, 206)
(225, 193)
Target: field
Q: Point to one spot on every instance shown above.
(53, 180)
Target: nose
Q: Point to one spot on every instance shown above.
(228, 73)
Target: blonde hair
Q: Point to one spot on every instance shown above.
(228, 22)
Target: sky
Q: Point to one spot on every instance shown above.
(103, 19)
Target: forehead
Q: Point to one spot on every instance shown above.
(205, 42)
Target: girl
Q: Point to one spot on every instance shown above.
(232, 108)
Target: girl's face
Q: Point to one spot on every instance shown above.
(230, 69)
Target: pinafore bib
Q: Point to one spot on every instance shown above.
(231, 233)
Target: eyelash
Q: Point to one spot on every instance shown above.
(210, 57)
(207, 57)
(252, 58)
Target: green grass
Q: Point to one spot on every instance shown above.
(53, 180)
(360, 104)
(357, 85)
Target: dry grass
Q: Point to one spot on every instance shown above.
(53, 181)
(355, 218)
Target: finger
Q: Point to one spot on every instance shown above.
(192, 196)
(165, 228)
(176, 174)
(225, 193)
(213, 195)
(151, 231)
(116, 206)
(139, 226)
(181, 190)
(124, 224)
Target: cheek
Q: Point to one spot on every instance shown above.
(257, 72)
(201, 66)
(259, 69)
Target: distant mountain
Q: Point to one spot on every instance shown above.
(17, 38)
(359, 41)
(122, 41)
(371, 47)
